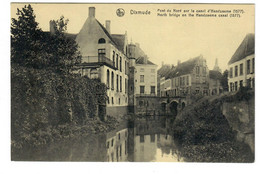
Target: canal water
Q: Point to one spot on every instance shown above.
(143, 140)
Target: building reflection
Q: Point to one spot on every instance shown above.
(117, 145)
(143, 141)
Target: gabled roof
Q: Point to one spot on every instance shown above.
(165, 70)
(215, 75)
(106, 32)
(140, 60)
(183, 68)
(119, 39)
(246, 48)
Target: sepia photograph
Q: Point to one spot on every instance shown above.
(132, 82)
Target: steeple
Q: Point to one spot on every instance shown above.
(216, 67)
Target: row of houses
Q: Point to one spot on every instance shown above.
(191, 77)
(131, 78)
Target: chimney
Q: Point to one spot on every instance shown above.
(91, 12)
(145, 59)
(179, 62)
(108, 25)
(52, 27)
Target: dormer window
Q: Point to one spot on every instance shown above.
(101, 41)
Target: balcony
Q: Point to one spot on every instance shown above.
(146, 95)
(97, 60)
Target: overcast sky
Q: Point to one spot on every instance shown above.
(166, 39)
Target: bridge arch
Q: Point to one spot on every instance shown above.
(173, 107)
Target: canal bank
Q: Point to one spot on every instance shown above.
(205, 131)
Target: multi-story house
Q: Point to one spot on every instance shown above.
(104, 57)
(189, 77)
(142, 81)
(242, 65)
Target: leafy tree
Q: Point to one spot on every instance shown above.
(31, 47)
(224, 80)
(62, 50)
(26, 37)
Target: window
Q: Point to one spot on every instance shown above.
(101, 53)
(248, 83)
(141, 78)
(125, 68)
(101, 41)
(126, 86)
(231, 72)
(253, 65)
(152, 89)
(120, 64)
(112, 100)
(142, 70)
(152, 70)
(119, 101)
(241, 69)
(119, 136)
(117, 83)
(113, 58)
(187, 80)
(120, 83)
(108, 73)
(116, 60)
(108, 100)
(112, 80)
(112, 142)
(248, 66)
(141, 89)
(230, 87)
(236, 71)
(108, 144)
(235, 86)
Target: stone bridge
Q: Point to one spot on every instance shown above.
(172, 105)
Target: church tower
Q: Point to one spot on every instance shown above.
(216, 67)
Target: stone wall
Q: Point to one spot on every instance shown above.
(241, 117)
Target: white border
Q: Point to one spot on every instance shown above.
(89, 167)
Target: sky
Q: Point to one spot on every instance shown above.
(163, 39)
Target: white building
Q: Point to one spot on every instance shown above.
(242, 65)
(145, 77)
(104, 57)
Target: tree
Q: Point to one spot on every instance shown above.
(31, 47)
(26, 36)
(63, 50)
(224, 80)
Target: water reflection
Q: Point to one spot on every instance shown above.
(143, 141)
(138, 141)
